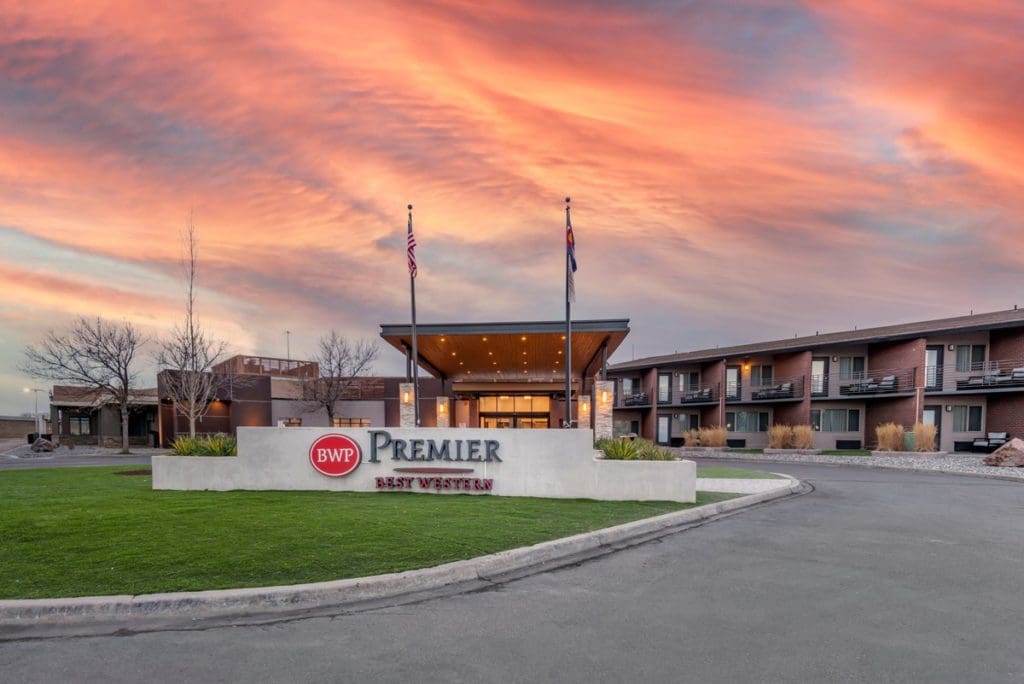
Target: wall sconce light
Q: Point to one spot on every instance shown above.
(949, 408)
(584, 405)
(442, 404)
(604, 397)
(952, 347)
(835, 359)
(406, 397)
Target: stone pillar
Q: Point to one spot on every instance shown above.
(406, 405)
(604, 395)
(443, 412)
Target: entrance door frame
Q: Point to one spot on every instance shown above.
(933, 381)
(937, 410)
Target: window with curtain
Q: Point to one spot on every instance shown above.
(966, 418)
(746, 421)
(835, 420)
(970, 357)
(851, 367)
(760, 376)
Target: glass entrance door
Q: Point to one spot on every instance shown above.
(933, 367)
(496, 421)
(663, 423)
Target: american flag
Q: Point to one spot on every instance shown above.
(411, 249)
(570, 246)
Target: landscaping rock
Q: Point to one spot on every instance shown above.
(1010, 455)
(42, 445)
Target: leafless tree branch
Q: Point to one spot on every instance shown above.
(341, 363)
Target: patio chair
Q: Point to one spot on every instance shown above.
(887, 384)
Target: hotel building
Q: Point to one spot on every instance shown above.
(965, 375)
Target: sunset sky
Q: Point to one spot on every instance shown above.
(740, 171)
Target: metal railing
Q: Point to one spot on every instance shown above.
(878, 381)
(697, 394)
(781, 388)
(632, 399)
(996, 374)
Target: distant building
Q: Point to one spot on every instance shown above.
(89, 416)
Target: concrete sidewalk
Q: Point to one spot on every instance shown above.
(739, 485)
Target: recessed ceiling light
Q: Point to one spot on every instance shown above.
(523, 338)
(485, 339)
(453, 353)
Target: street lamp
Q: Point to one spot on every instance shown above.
(36, 390)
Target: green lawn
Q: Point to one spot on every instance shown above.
(87, 531)
(734, 473)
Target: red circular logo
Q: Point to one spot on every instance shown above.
(335, 455)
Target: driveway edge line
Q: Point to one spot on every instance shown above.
(33, 618)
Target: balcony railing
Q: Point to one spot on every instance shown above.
(632, 400)
(697, 394)
(878, 381)
(782, 388)
(1005, 373)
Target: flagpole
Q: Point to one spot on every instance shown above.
(568, 329)
(415, 354)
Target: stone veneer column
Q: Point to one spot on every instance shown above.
(602, 408)
(443, 412)
(406, 405)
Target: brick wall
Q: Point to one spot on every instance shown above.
(709, 416)
(713, 375)
(1005, 413)
(792, 366)
(649, 421)
(1006, 344)
(903, 354)
(902, 411)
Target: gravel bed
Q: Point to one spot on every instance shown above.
(945, 463)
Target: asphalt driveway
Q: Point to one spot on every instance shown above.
(875, 576)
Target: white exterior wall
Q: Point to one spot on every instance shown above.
(542, 463)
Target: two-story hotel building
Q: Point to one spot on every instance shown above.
(965, 375)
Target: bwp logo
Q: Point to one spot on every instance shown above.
(335, 455)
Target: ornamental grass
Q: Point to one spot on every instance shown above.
(780, 436)
(712, 437)
(803, 437)
(691, 438)
(924, 437)
(889, 437)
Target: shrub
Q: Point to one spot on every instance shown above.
(712, 436)
(889, 436)
(211, 445)
(185, 446)
(218, 445)
(636, 450)
(780, 436)
(924, 437)
(649, 451)
(803, 437)
(691, 438)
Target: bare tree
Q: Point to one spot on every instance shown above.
(189, 354)
(341, 363)
(95, 353)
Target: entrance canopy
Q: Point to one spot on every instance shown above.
(509, 352)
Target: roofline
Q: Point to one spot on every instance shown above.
(610, 325)
(886, 333)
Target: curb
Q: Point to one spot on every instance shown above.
(37, 618)
(870, 466)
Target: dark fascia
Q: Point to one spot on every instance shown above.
(611, 325)
(995, 320)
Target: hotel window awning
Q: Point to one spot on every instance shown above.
(509, 352)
